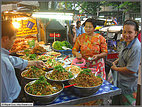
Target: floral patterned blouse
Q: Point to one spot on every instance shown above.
(90, 45)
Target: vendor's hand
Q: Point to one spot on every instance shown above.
(78, 56)
(113, 67)
(40, 64)
(95, 57)
(116, 61)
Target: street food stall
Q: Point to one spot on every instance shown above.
(42, 86)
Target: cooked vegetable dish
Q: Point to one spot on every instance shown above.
(33, 72)
(42, 87)
(86, 79)
(45, 57)
(59, 73)
(29, 57)
(38, 49)
(51, 63)
(74, 69)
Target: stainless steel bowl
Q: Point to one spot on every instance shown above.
(27, 77)
(59, 80)
(26, 80)
(44, 99)
(84, 91)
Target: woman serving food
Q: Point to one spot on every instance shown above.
(91, 44)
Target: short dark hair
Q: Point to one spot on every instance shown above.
(132, 22)
(91, 20)
(7, 28)
(78, 22)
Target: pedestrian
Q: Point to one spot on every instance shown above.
(10, 85)
(79, 29)
(127, 65)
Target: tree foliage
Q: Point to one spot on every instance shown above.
(126, 6)
(92, 7)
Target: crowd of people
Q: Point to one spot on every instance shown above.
(86, 44)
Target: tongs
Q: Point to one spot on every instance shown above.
(69, 85)
(66, 58)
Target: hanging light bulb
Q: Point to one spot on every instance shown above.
(16, 24)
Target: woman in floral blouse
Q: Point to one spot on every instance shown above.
(91, 44)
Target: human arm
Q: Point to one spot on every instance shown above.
(22, 64)
(39, 64)
(133, 61)
(76, 54)
(116, 61)
(121, 69)
(103, 49)
(99, 56)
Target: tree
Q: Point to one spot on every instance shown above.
(89, 8)
(126, 6)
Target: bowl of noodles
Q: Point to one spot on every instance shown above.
(42, 91)
(86, 83)
(60, 74)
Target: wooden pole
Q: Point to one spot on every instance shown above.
(54, 36)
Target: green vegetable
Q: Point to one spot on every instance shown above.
(31, 43)
(58, 45)
(86, 71)
(27, 54)
(79, 62)
(59, 68)
(26, 50)
(33, 56)
(70, 75)
(41, 80)
(67, 44)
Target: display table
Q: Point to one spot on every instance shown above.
(67, 97)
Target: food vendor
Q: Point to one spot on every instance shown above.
(91, 44)
(10, 85)
(127, 65)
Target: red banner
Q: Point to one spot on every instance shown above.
(56, 35)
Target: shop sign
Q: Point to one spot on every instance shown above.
(56, 34)
(28, 27)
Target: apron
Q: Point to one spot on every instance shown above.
(97, 67)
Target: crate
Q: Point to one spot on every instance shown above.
(112, 56)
